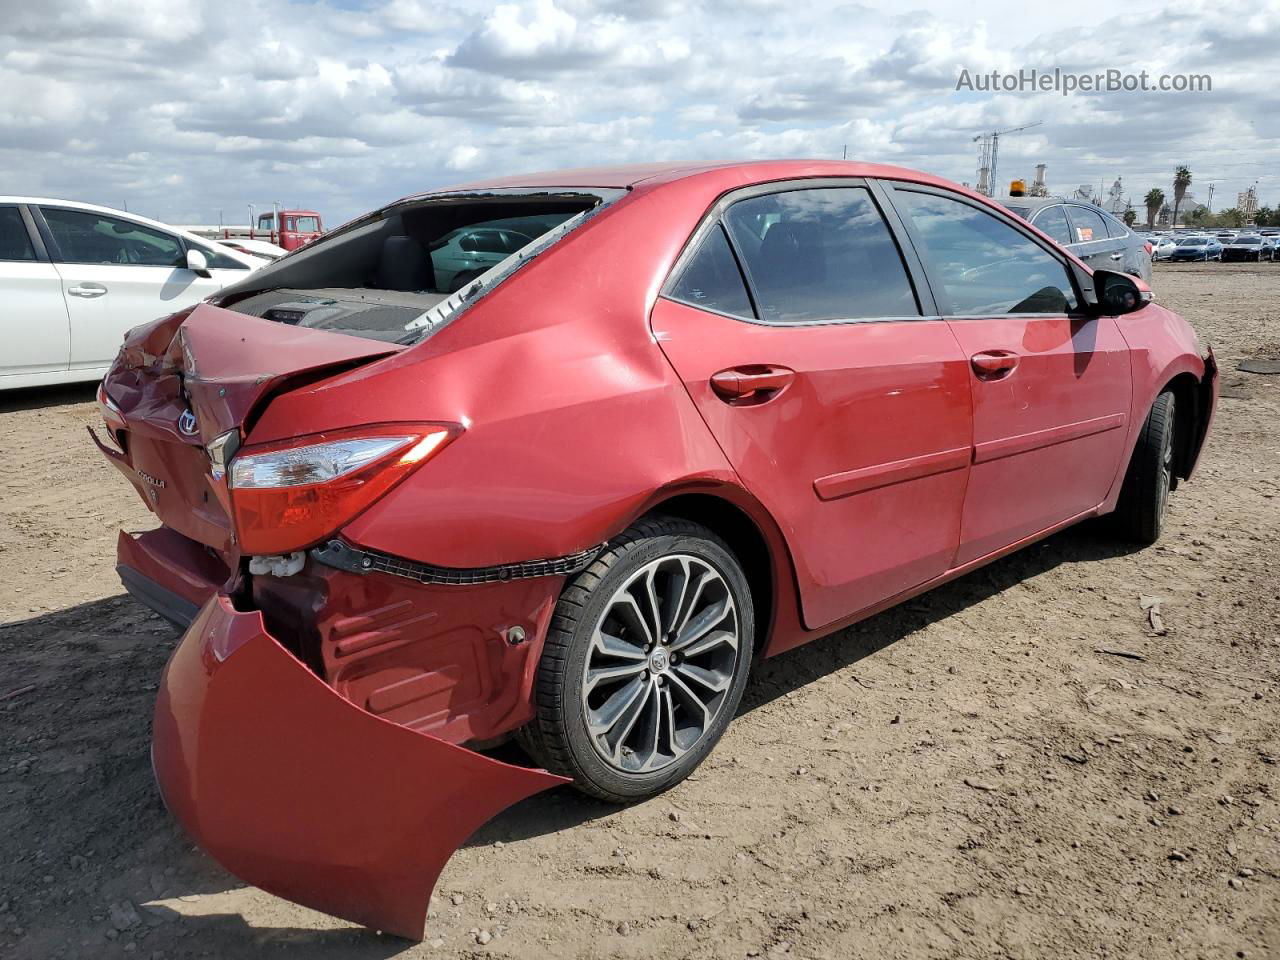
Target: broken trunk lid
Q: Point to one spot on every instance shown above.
(232, 362)
(230, 366)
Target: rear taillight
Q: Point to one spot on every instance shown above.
(1148, 247)
(288, 497)
(107, 407)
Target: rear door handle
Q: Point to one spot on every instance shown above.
(994, 364)
(88, 290)
(755, 381)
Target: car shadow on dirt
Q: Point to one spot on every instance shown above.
(34, 398)
(90, 860)
(85, 829)
(565, 808)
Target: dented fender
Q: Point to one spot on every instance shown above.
(296, 790)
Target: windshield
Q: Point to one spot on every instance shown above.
(1240, 240)
(1193, 242)
(308, 224)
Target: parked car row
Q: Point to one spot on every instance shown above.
(1205, 247)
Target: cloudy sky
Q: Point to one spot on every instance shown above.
(185, 109)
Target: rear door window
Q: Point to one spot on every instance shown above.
(986, 267)
(1087, 225)
(1053, 221)
(820, 254)
(712, 279)
(1114, 227)
(15, 242)
(86, 237)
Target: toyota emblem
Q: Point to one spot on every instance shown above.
(187, 423)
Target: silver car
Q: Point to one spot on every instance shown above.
(1097, 238)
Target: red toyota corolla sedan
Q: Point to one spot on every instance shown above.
(653, 423)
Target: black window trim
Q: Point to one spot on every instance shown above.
(55, 251)
(936, 286)
(713, 218)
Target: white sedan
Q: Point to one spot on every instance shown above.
(1161, 247)
(74, 277)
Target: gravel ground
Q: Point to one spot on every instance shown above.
(964, 776)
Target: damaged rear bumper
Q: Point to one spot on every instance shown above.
(298, 791)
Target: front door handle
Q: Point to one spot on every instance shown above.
(994, 364)
(88, 290)
(1117, 256)
(756, 382)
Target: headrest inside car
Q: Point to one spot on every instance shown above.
(404, 265)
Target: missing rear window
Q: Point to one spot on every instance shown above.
(401, 272)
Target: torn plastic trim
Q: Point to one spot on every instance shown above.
(343, 556)
(300, 792)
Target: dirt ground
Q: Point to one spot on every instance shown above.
(965, 776)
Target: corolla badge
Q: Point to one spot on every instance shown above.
(187, 423)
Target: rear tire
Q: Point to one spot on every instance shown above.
(1144, 498)
(645, 661)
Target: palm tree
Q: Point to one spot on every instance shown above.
(1129, 217)
(1181, 180)
(1154, 201)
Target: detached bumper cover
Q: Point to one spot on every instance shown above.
(294, 789)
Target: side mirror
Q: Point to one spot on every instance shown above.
(1111, 293)
(198, 262)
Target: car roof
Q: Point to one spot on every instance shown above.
(1034, 205)
(729, 174)
(125, 214)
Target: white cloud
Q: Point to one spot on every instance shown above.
(184, 108)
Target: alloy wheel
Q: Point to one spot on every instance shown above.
(663, 657)
(1166, 472)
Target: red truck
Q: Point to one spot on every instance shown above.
(287, 228)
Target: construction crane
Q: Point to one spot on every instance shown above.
(990, 154)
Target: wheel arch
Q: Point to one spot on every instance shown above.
(1185, 388)
(1193, 380)
(754, 537)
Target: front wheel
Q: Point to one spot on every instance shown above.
(1144, 497)
(645, 661)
